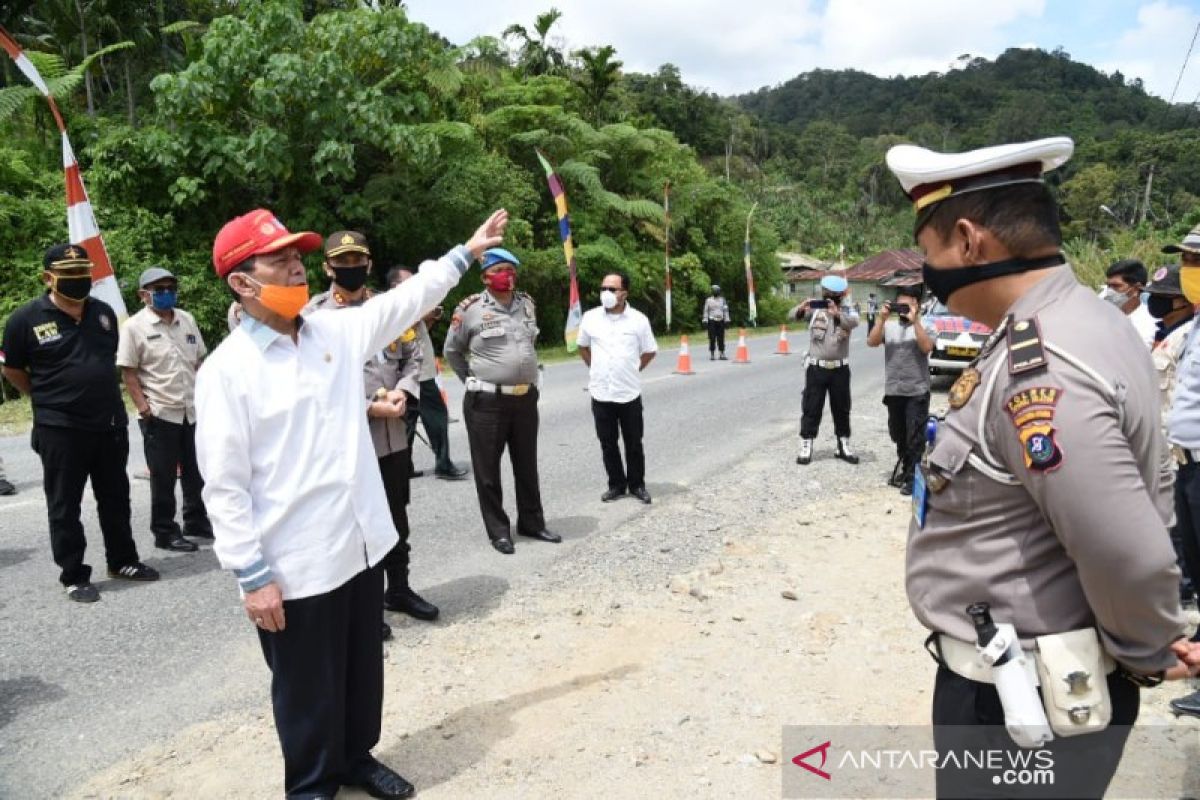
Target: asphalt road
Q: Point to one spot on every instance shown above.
(83, 686)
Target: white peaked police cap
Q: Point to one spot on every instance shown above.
(928, 177)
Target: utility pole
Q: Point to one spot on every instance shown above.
(1146, 196)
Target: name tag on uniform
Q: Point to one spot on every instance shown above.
(154, 336)
(920, 497)
(491, 333)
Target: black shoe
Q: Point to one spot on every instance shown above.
(1188, 704)
(907, 488)
(641, 494)
(177, 545)
(6, 488)
(406, 601)
(134, 572)
(416, 473)
(208, 534)
(544, 536)
(504, 545)
(452, 474)
(387, 632)
(83, 593)
(378, 781)
(712, 357)
(611, 494)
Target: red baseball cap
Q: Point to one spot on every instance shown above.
(254, 234)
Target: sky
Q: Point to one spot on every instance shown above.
(735, 46)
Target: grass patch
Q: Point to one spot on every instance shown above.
(16, 416)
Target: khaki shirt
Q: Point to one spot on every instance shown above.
(429, 368)
(1049, 487)
(166, 357)
(493, 343)
(829, 340)
(398, 366)
(716, 309)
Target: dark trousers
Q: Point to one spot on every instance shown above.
(906, 427)
(494, 422)
(716, 335)
(1187, 519)
(327, 683)
(170, 450)
(436, 418)
(394, 468)
(69, 458)
(1083, 765)
(627, 417)
(818, 382)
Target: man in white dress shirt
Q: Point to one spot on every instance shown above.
(1124, 282)
(616, 343)
(294, 492)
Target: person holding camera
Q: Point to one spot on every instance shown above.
(715, 318)
(827, 369)
(906, 348)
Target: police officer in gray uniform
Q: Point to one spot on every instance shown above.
(715, 318)
(828, 368)
(1044, 492)
(490, 347)
(390, 382)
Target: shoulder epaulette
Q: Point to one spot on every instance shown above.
(468, 301)
(1026, 351)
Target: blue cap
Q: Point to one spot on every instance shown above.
(834, 283)
(498, 255)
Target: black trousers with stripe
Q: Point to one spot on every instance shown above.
(819, 382)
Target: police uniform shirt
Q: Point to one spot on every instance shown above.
(72, 365)
(494, 343)
(716, 309)
(166, 356)
(1183, 423)
(292, 483)
(829, 340)
(395, 367)
(429, 369)
(1166, 355)
(617, 342)
(1048, 493)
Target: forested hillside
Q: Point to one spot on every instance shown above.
(346, 114)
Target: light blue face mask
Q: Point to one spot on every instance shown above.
(1145, 297)
(164, 299)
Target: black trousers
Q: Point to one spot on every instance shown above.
(906, 427)
(436, 418)
(627, 417)
(818, 382)
(170, 450)
(327, 683)
(1187, 520)
(716, 335)
(1083, 765)
(394, 468)
(494, 422)
(69, 458)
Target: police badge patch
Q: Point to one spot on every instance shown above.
(1042, 452)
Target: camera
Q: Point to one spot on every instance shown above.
(903, 309)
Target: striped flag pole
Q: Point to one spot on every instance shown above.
(575, 309)
(81, 222)
(667, 247)
(749, 273)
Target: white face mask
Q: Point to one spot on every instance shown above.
(608, 299)
(1111, 295)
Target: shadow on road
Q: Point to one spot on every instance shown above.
(464, 598)
(182, 565)
(21, 693)
(11, 556)
(573, 527)
(440, 752)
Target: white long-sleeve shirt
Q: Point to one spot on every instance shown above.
(292, 485)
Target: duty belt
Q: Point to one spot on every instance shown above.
(476, 385)
(826, 363)
(1184, 456)
(963, 659)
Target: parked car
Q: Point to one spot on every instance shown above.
(956, 340)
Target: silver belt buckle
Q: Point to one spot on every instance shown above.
(520, 389)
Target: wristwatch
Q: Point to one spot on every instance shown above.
(1138, 679)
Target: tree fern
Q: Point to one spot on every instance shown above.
(60, 81)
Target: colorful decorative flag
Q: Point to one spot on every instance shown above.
(574, 310)
(667, 247)
(81, 222)
(749, 272)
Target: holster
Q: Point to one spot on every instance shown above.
(1073, 671)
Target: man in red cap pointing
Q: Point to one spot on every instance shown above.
(294, 492)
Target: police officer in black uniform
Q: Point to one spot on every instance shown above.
(61, 351)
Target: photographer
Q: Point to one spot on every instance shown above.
(831, 319)
(900, 329)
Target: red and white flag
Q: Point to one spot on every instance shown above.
(81, 222)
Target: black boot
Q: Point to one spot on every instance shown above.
(401, 598)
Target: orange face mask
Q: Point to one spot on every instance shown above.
(286, 301)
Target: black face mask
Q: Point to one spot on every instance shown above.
(945, 282)
(73, 288)
(1160, 305)
(350, 278)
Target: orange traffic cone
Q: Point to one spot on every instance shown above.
(684, 365)
(783, 342)
(743, 352)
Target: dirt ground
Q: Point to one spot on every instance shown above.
(676, 690)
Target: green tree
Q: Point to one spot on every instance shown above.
(537, 56)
